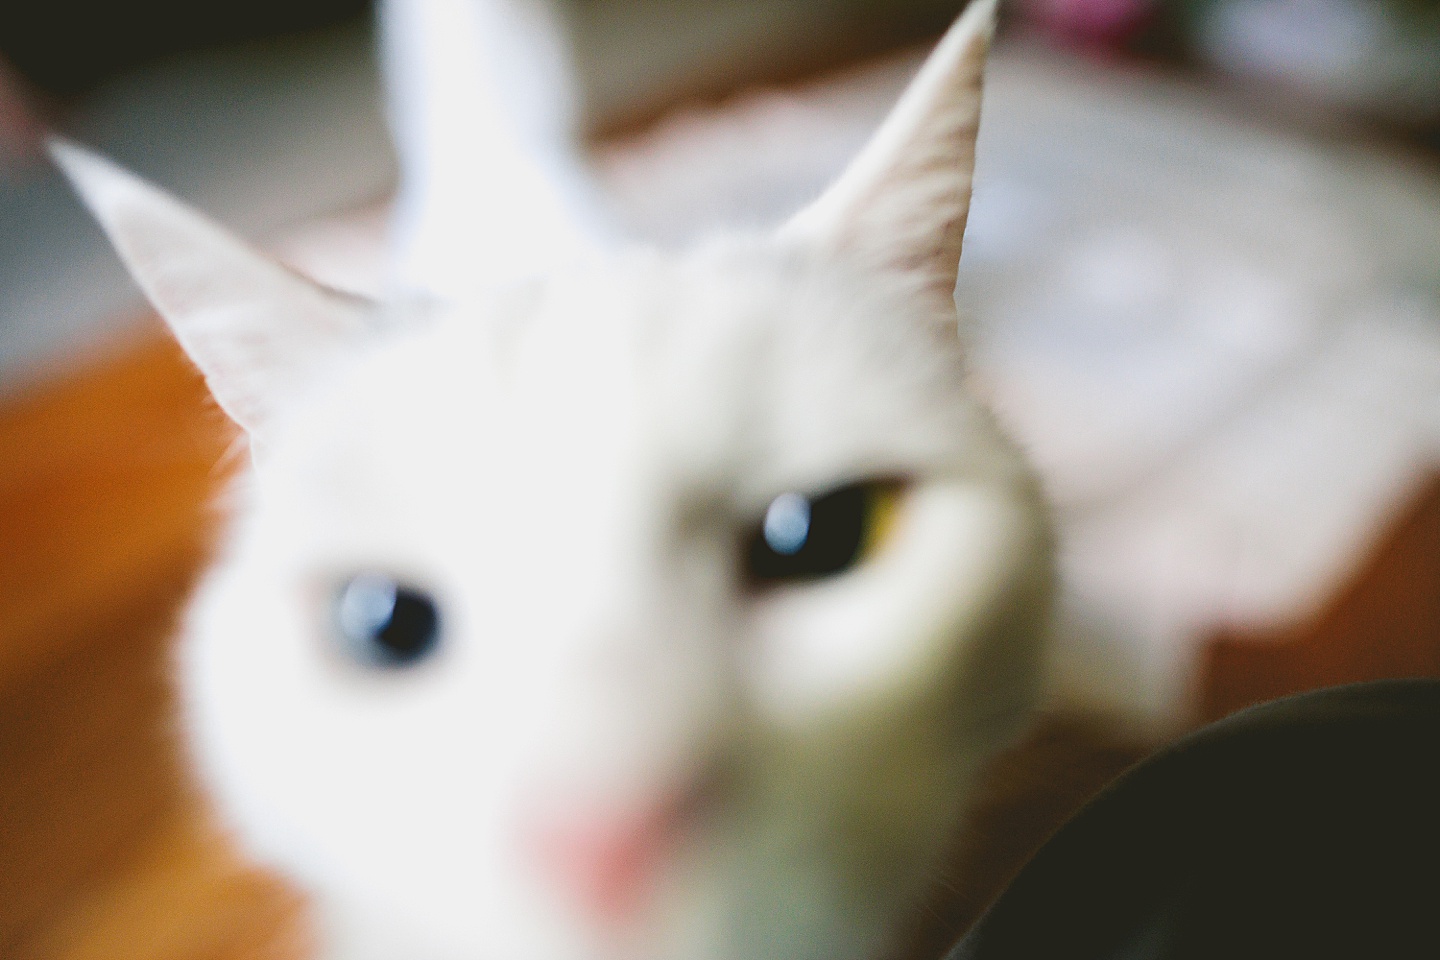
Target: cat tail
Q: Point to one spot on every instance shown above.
(482, 107)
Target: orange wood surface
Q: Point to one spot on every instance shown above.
(105, 480)
(105, 850)
(1385, 623)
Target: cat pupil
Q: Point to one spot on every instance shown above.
(807, 538)
(385, 622)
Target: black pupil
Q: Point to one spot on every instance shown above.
(386, 622)
(805, 538)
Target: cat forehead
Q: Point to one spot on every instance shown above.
(734, 363)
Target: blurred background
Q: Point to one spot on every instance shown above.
(1203, 263)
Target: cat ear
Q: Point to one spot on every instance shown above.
(903, 202)
(252, 326)
(493, 186)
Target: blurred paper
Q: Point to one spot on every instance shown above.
(1220, 344)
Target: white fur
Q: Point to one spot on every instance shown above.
(569, 464)
(922, 158)
(482, 113)
(258, 327)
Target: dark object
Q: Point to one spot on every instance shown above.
(65, 47)
(1308, 827)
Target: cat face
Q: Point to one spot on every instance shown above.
(629, 733)
(662, 608)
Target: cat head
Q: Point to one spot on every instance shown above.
(663, 607)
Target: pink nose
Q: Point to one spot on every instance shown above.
(609, 864)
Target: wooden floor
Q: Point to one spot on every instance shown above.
(1384, 623)
(104, 850)
(104, 481)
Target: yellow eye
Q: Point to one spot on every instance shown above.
(885, 503)
(805, 537)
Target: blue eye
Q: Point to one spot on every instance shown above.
(812, 537)
(386, 623)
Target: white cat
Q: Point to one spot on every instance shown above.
(661, 607)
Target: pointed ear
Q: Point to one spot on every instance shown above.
(252, 326)
(903, 202)
(482, 109)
